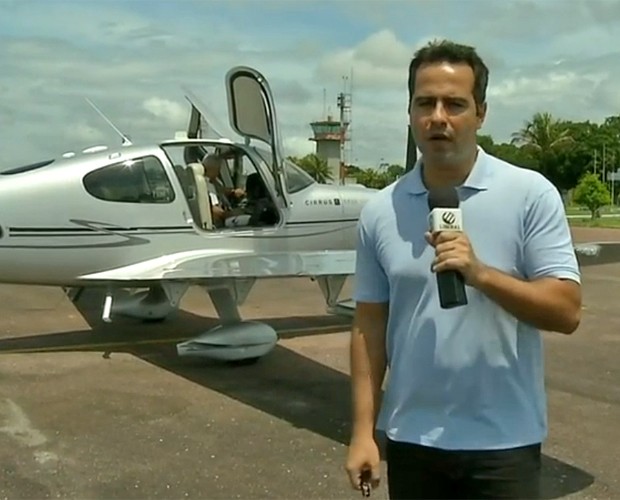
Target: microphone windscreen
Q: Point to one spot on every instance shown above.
(444, 197)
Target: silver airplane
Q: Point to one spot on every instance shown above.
(138, 219)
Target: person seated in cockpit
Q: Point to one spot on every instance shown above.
(221, 206)
(259, 203)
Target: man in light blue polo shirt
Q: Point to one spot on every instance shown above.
(464, 408)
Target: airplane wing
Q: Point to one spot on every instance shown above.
(598, 253)
(205, 264)
(588, 254)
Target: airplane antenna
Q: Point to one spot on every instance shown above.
(344, 104)
(126, 141)
(349, 142)
(324, 103)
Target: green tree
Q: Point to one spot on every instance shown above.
(315, 166)
(608, 145)
(353, 170)
(543, 133)
(393, 172)
(372, 178)
(592, 193)
(545, 137)
(486, 142)
(376, 178)
(595, 148)
(612, 123)
(519, 156)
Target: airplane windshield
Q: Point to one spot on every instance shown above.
(296, 178)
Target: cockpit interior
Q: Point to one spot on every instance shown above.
(248, 201)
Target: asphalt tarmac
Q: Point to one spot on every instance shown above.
(89, 410)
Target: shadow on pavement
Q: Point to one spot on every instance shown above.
(312, 396)
(284, 384)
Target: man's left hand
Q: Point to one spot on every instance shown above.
(454, 252)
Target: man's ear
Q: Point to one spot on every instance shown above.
(481, 112)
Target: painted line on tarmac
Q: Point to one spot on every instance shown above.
(126, 343)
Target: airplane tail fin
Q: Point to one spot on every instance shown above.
(412, 151)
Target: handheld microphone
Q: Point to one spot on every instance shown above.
(445, 215)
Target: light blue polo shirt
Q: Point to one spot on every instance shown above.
(469, 377)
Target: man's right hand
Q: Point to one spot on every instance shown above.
(363, 456)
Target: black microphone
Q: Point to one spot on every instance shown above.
(445, 215)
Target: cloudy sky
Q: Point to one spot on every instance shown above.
(133, 59)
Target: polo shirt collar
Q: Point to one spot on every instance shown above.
(478, 178)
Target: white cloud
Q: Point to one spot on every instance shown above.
(297, 146)
(379, 60)
(134, 64)
(169, 111)
(84, 132)
(574, 89)
(533, 88)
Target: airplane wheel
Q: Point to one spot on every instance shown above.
(154, 320)
(244, 362)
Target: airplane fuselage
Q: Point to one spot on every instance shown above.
(106, 210)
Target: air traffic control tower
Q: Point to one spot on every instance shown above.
(332, 137)
(328, 135)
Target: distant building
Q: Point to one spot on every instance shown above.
(329, 135)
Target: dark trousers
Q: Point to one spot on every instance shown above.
(421, 472)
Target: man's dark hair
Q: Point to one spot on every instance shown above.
(446, 51)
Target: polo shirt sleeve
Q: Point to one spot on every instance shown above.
(371, 283)
(548, 246)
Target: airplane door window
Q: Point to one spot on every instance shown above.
(243, 198)
(252, 203)
(297, 179)
(142, 180)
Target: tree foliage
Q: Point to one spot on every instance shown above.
(592, 193)
(562, 150)
(315, 166)
(375, 178)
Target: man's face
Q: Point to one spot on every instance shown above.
(443, 115)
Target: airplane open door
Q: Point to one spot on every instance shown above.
(194, 127)
(201, 125)
(252, 115)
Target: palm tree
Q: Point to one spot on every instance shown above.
(316, 167)
(543, 134)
